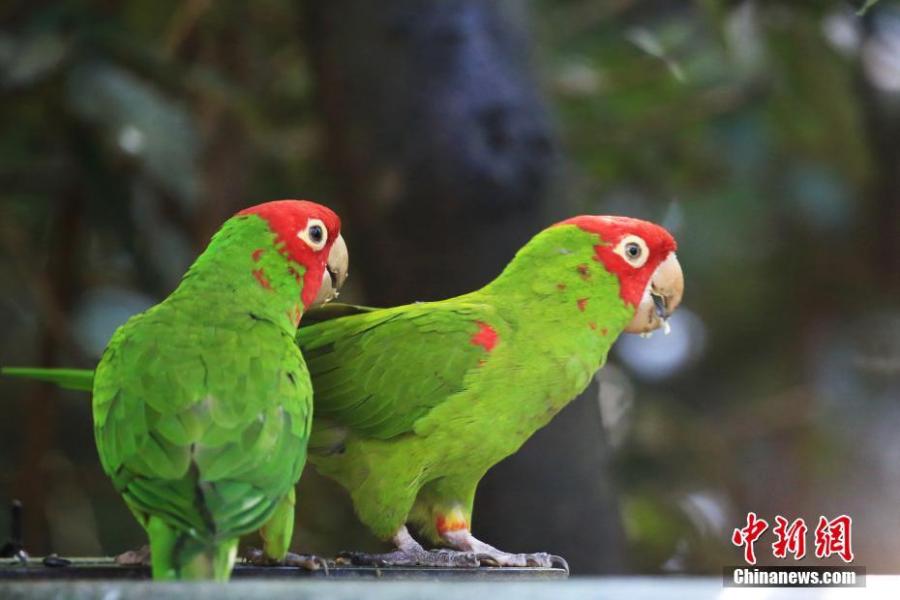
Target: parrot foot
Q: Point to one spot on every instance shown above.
(255, 556)
(410, 553)
(463, 540)
(135, 558)
(409, 557)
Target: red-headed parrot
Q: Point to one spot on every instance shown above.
(414, 404)
(202, 404)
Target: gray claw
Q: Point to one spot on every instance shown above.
(535, 560)
(559, 562)
(539, 559)
(254, 556)
(310, 562)
(487, 560)
(135, 558)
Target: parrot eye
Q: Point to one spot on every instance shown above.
(315, 235)
(634, 250)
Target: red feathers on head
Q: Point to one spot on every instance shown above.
(286, 218)
(633, 281)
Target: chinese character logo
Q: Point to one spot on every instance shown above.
(791, 538)
(832, 537)
(748, 535)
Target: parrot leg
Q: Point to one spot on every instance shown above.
(410, 553)
(162, 544)
(463, 540)
(276, 535)
(444, 511)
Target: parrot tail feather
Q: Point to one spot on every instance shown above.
(70, 379)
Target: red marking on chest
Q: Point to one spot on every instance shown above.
(582, 304)
(443, 524)
(583, 271)
(592, 325)
(486, 336)
(295, 274)
(257, 254)
(604, 331)
(261, 279)
(561, 287)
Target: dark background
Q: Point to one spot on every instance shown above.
(765, 135)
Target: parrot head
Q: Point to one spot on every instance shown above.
(642, 256)
(310, 235)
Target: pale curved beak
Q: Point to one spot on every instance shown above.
(661, 298)
(336, 271)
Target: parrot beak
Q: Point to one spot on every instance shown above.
(661, 298)
(336, 271)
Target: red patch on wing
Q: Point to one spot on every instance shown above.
(288, 217)
(592, 325)
(584, 271)
(444, 524)
(261, 278)
(486, 336)
(610, 230)
(561, 287)
(257, 254)
(604, 331)
(582, 303)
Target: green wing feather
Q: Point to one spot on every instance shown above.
(378, 371)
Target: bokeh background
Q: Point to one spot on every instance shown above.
(764, 134)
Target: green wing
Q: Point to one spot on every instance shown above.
(204, 427)
(378, 371)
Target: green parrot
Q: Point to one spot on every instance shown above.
(414, 404)
(202, 405)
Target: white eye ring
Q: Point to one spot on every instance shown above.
(314, 235)
(633, 250)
